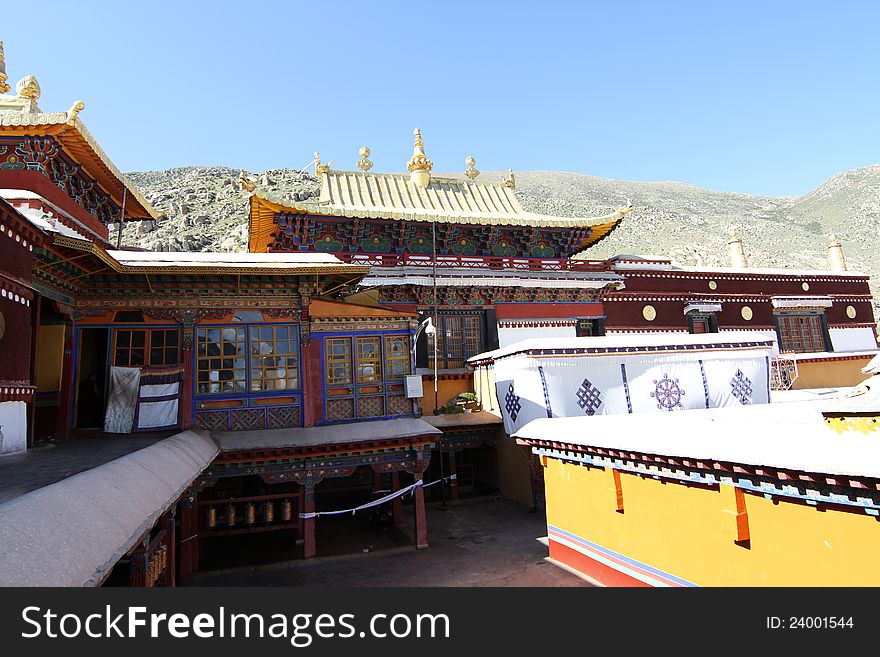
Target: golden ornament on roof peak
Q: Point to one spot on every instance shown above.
(364, 163)
(472, 172)
(28, 87)
(510, 180)
(419, 166)
(3, 86)
(77, 107)
(321, 168)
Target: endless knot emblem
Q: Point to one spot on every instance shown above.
(667, 393)
(589, 397)
(741, 387)
(511, 403)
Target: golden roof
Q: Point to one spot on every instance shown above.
(354, 194)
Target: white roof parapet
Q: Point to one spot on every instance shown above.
(703, 307)
(73, 532)
(801, 302)
(630, 343)
(223, 259)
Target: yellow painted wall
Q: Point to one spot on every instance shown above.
(484, 388)
(830, 374)
(689, 532)
(446, 390)
(513, 470)
(50, 356)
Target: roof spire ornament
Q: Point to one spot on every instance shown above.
(419, 166)
(364, 163)
(472, 172)
(510, 180)
(29, 89)
(835, 254)
(321, 168)
(3, 86)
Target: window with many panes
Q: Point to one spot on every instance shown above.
(146, 347)
(368, 359)
(221, 360)
(458, 338)
(337, 352)
(274, 358)
(226, 355)
(801, 333)
(397, 357)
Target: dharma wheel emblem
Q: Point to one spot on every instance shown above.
(668, 393)
(746, 313)
(649, 313)
(851, 312)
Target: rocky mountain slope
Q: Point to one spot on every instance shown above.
(206, 209)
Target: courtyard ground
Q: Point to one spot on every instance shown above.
(482, 542)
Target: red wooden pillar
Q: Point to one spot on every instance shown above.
(421, 516)
(377, 481)
(189, 536)
(309, 543)
(170, 542)
(65, 405)
(312, 376)
(35, 334)
(396, 503)
(453, 482)
(187, 385)
(137, 568)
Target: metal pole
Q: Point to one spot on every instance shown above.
(121, 217)
(437, 329)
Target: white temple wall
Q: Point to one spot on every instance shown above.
(509, 335)
(852, 339)
(13, 427)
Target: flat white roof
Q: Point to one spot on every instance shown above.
(220, 259)
(697, 341)
(788, 436)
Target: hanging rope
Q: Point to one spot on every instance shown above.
(377, 502)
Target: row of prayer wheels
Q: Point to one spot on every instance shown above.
(231, 517)
(156, 565)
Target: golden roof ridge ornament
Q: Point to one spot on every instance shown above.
(510, 180)
(29, 89)
(321, 168)
(472, 172)
(77, 107)
(3, 86)
(364, 163)
(419, 166)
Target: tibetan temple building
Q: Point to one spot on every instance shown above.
(319, 370)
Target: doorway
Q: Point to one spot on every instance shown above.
(91, 380)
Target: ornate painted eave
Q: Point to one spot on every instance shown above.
(79, 143)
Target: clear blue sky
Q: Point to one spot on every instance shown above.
(756, 97)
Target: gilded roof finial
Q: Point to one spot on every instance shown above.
(419, 166)
(246, 183)
(510, 180)
(472, 172)
(75, 109)
(364, 164)
(28, 87)
(3, 86)
(321, 168)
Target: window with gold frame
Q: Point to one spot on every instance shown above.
(369, 359)
(397, 357)
(337, 357)
(221, 360)
(274, 358)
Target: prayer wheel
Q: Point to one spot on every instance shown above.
(251, 513)
(285, 511)
(212, 517)
(269, 513)
(230, 515)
